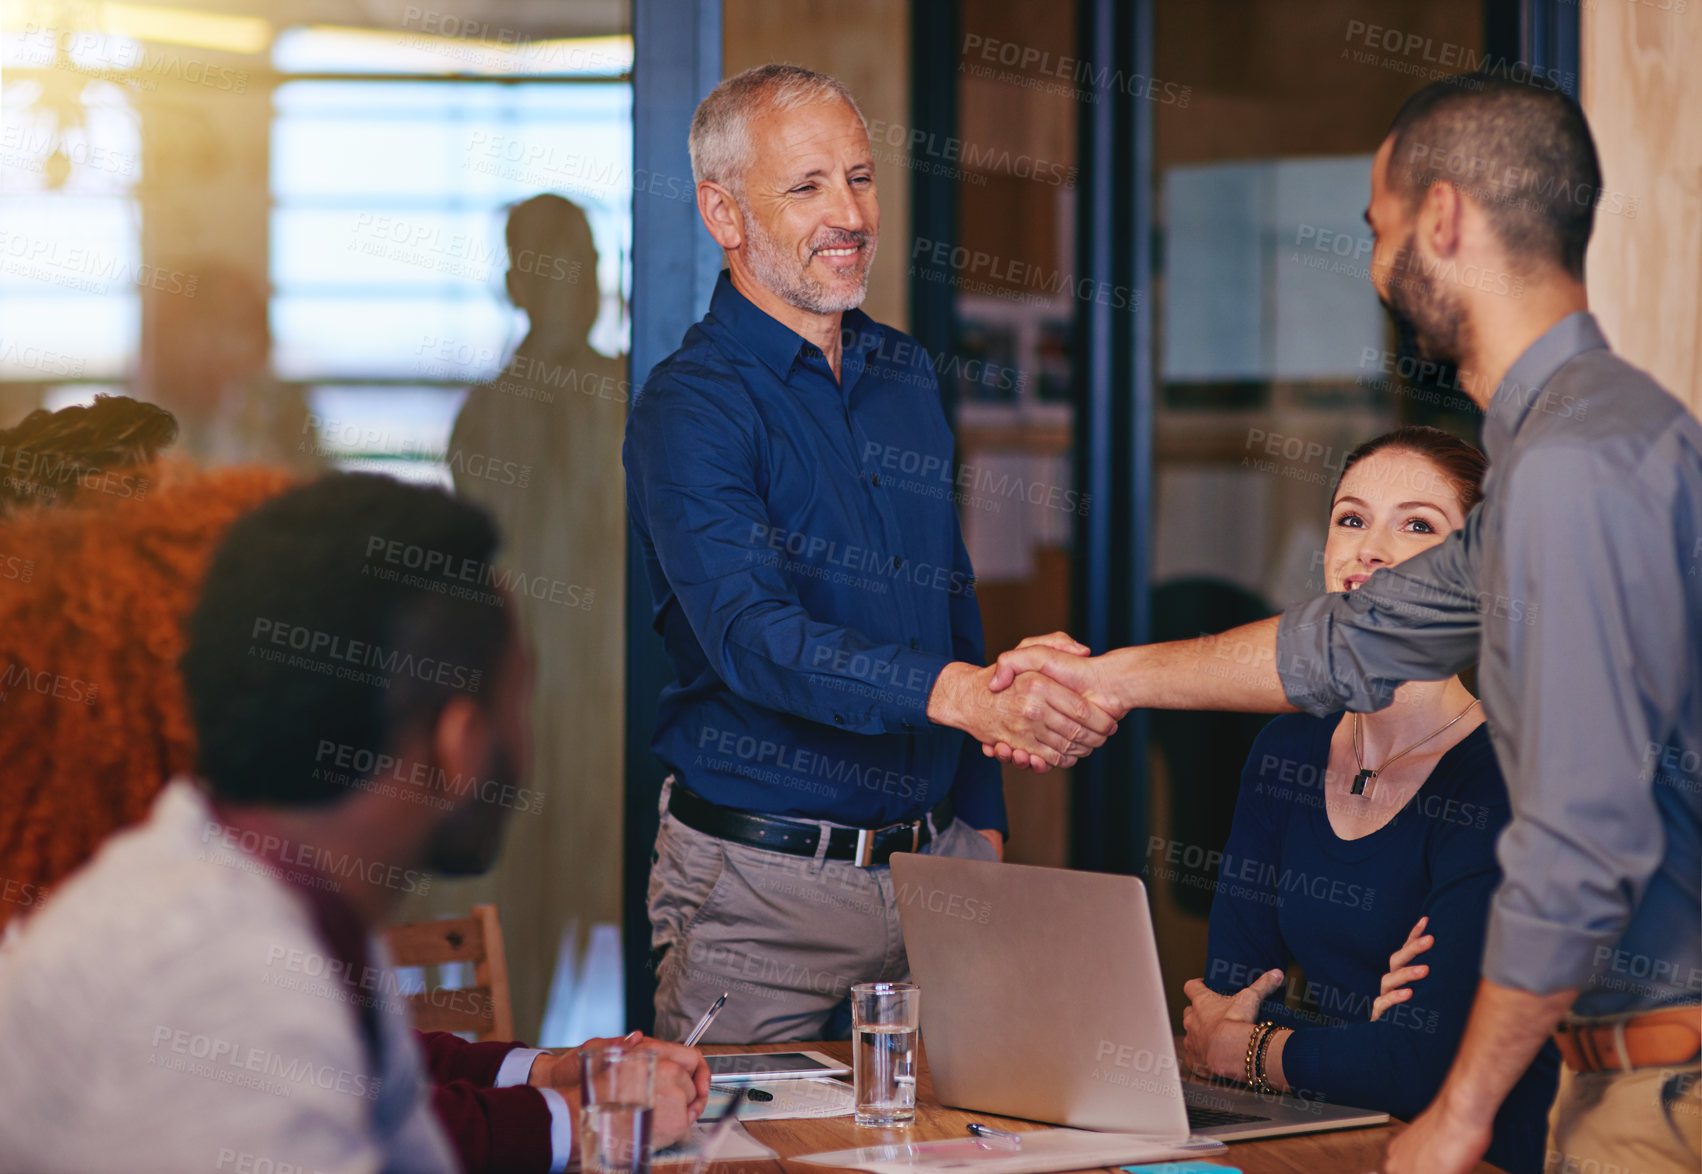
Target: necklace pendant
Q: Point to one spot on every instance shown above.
(1360, 779)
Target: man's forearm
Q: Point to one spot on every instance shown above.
(1506, 1030)
(945, 706)
(1235, 671)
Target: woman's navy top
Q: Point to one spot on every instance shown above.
(1290, 888)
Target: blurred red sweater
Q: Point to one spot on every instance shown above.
(494, 1129)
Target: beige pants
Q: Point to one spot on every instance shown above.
(1648, 1121)
(785, 935)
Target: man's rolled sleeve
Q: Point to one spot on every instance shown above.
(1419, 621)
(1586, 834)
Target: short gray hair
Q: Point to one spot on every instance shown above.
(720, 140)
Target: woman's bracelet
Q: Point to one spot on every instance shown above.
(1256, 1054)
(1261, 1083)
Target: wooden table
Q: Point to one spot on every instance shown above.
(1347, 1151)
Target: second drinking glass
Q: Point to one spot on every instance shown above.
(618, 1085)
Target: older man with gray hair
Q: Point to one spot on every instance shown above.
(789, 476)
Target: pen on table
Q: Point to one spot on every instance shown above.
(708, 1018)
(723, 1123)
(1002, 1138)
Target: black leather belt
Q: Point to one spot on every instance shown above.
(865, 847)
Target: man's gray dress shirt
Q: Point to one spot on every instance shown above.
(1577, 587)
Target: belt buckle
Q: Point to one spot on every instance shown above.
(1620, 1051)
(866, 846)
(865, 857)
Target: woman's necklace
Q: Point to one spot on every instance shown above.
(1366, 775)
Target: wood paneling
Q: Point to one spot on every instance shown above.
(1017, 139)
(866, 45)
(999, 114)
(1263, 79)
(1642, 89)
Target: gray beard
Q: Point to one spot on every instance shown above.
(775, 271)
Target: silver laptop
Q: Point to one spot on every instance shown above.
(1042, 999)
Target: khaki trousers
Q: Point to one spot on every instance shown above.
(1646, 1121)
(787, 936)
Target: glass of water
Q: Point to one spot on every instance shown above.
(618, 1085)
(885, 1023)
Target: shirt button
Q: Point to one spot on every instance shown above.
(906, 727)
(897, 561)
(838, 720)
(915, 643)
(875, 478)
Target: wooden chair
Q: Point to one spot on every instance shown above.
(484, 1008)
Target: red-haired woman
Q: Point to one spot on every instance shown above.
(102, 549)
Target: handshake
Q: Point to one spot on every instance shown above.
(1044, 703)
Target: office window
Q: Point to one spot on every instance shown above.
(70, 246)
(387, 252)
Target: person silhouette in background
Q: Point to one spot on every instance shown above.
(554, 400)
(539, 447)
(215, 376)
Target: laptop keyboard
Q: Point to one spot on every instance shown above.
(1202, 1118)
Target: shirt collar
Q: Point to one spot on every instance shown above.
(777, 344)
(339, 926)
(1521, 387)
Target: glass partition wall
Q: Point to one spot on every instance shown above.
(1010, 370)
(320, 242)
(314, 233)
(1274, 359)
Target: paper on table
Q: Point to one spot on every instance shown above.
(817, 1097)
(1042, 1150)
(737, 1146)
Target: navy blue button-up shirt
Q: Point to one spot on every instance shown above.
(808, 571)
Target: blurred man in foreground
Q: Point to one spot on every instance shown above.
(209, 993)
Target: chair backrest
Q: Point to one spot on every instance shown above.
(484, 1008)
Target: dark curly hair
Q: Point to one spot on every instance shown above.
(50, 458)
(93, 720)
